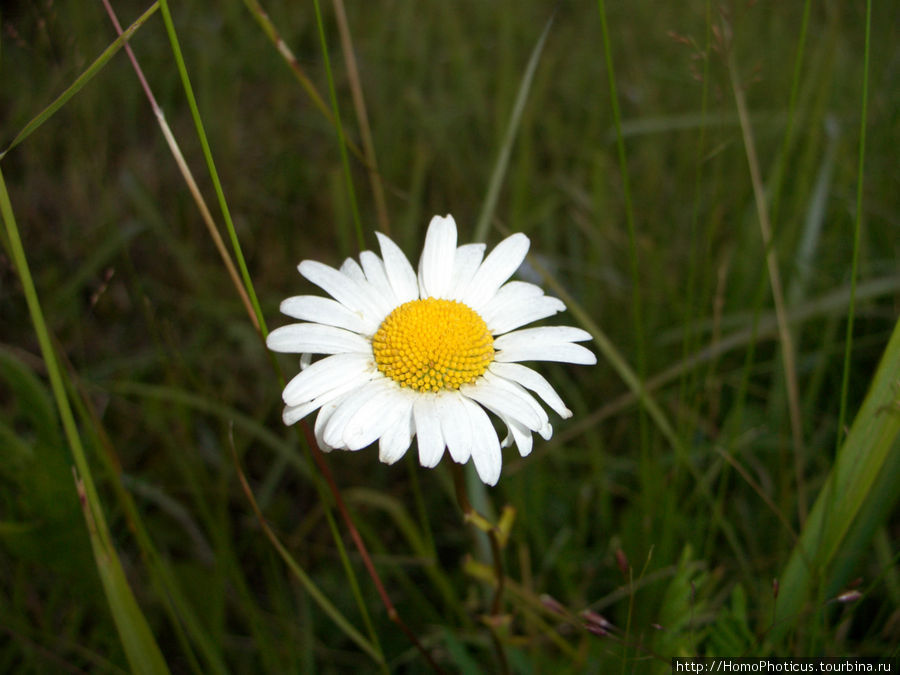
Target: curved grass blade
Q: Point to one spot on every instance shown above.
(143, 654)
(81, 80)
(311, 588)
(140, 647)
(186, 624)
(499, 173)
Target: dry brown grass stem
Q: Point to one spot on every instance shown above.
(359, 104)
(187, 175)
(784, 331)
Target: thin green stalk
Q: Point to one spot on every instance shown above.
(641, 392)
(393, 615)
(689, 339)
(791, 113)
(339, 127)
(857, 226)
(615, 358)
(137, 639)
(211, 165)
(262, 17)
(765, 327)
(636, 302)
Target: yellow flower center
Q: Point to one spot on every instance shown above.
(432, 344)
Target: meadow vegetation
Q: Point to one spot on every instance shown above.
(694, 184)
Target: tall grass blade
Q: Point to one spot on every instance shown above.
(140, 647)
(143, 654)
(189, 629)
(869, 448)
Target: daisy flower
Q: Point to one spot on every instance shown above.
(426, 354)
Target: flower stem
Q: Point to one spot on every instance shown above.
(470, 515)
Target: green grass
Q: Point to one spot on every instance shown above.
(704, 460)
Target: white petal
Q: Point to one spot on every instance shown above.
(344, 289)
(323, 310)
(375, 274)
(436, 263)
(428, 431)
(314, 338)
(375, 417)
(512, 292)
(465, 263)
(327, 374)
(485, 444)
(516, 391)
(521, 435)
(504, 314)
(546, 431)
(546, 343)
(565, 353)
(515, 316)
(496, 268)
(329, 407)
(396, 440)
(455, 425)
(325, 413)
(351, 268)
(339, 286)
(399, 272)
(505, 401)
(377, 304)
(294, 413)
(543, 335)
(333, 433)
(533, 380)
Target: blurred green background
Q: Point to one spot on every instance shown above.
(676, 546)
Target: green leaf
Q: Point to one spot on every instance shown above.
(870, 447)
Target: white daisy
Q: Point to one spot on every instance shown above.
(425, 354)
